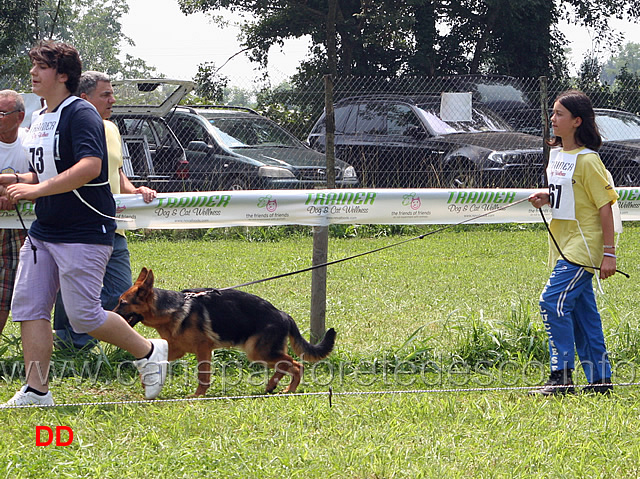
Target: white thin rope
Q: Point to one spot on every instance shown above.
(330, 394)
(95, 210)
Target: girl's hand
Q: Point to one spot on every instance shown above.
(608, 267)
(539, 199)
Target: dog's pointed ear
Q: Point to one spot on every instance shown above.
(142, 275)
(148, 280)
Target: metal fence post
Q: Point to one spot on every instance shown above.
(544, 113)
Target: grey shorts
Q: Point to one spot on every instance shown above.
(76, 269)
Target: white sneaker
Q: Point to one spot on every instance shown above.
(23, 398)
(153, 371)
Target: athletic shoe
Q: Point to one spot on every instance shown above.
(24, 398)
(603, 386)
(560, 383)
(153, 371)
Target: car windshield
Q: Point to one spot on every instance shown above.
(251, 132)
(481, 120)
(618, 126)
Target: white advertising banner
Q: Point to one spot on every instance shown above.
(324, 207)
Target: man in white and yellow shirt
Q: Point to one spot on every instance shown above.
(13, 160)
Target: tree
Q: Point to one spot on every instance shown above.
(15, 31)
(432, 37)
(92, 26)
(627, 58)
(210, 85)
(517, 47)
(16, 18)
(374, 37)
(589, 74)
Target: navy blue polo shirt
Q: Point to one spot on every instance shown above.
(64, 218)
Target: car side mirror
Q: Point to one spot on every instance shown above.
(416, 132)
(198, 146)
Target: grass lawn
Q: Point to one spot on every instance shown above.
(456, 310)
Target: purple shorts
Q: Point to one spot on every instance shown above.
(76, 269)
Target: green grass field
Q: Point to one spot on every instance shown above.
(456, 310)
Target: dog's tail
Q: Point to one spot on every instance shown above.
(307, 351)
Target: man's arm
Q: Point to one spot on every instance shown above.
(127, 187)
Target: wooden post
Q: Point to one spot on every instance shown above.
(321, 233)
(319, 283)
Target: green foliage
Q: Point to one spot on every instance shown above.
(389, 38)
(623, 94)
(589, 75)
(15, 32)
(294, 108)
(210, 85)
(627, 59)
(92, 26)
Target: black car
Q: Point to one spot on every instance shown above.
(507, 96)
(620, 151)
(400, 141)
(620, 131)
(513, 101)
(232, 148)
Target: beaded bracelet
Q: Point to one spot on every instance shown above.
(17, 178)
(610, 255)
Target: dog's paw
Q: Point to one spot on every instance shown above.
(199, 393)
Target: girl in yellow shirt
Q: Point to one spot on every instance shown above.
(580, 197)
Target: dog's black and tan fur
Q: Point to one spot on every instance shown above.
(201, 320)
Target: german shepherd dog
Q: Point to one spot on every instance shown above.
(201, 320)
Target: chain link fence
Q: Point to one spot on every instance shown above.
(459, 131)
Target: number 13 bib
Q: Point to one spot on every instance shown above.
(41, 142)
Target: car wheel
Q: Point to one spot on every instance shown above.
(236, 183)
(462, 174)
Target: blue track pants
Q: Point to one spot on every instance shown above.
(572, 322)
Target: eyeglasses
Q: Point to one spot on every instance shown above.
(7, 113)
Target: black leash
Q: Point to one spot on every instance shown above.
(562, 254)
(33, 247)
(310, 268)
